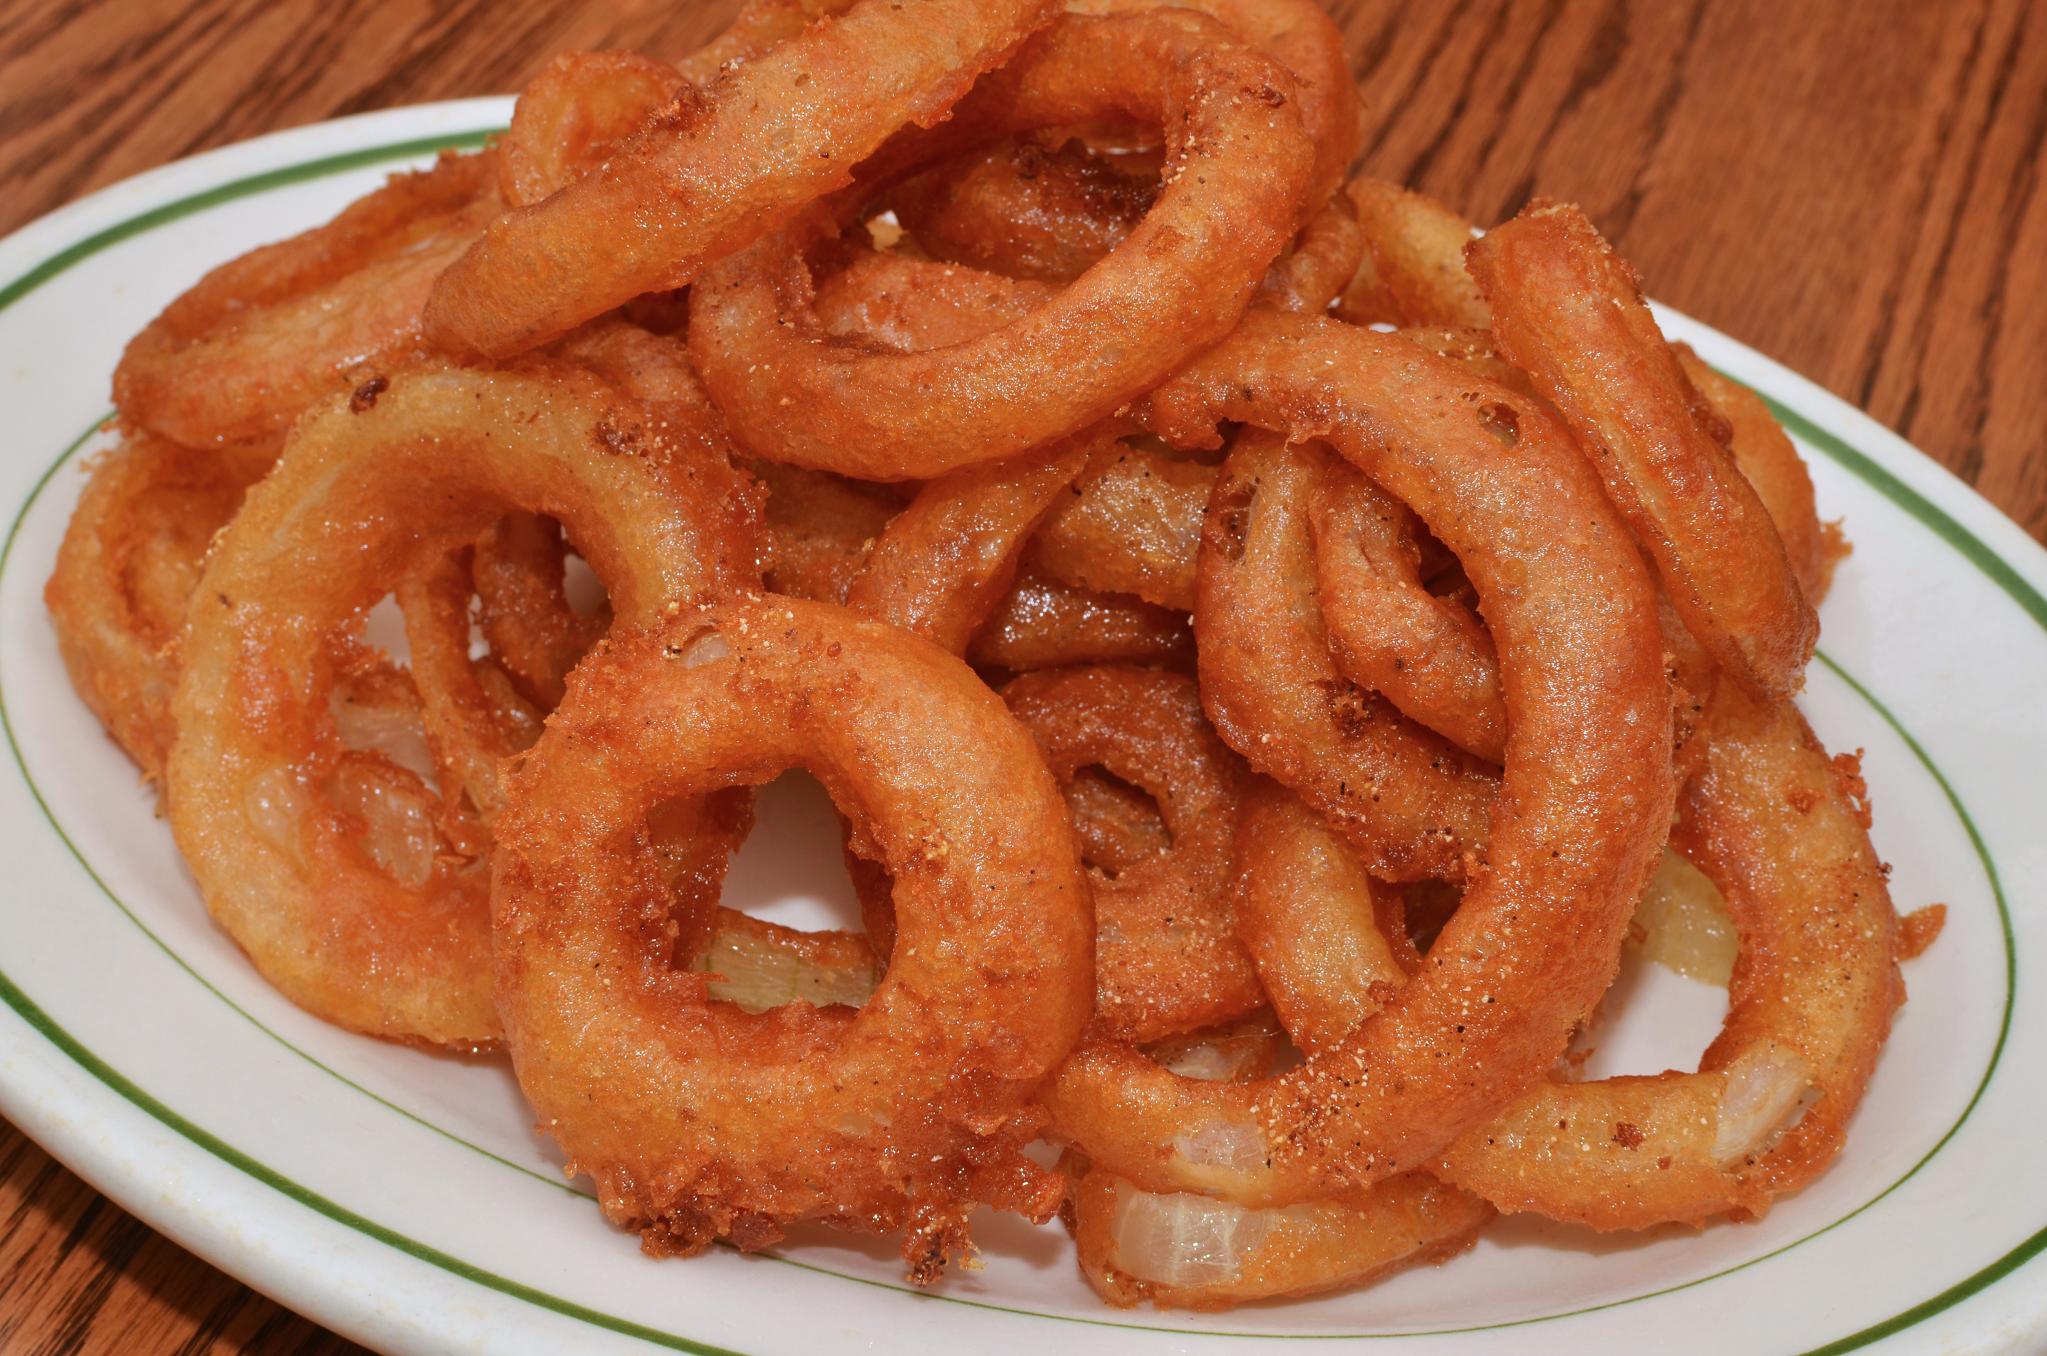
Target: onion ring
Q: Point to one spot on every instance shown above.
(1812, 997)
(693, 1117)
(472, 714)
(1176, 284)
(517, 575)
(910, 305)
(1417, 248)
(480, 711)
(575, 113)
(1304, 40)
(321, 539)
(124, 576)
(1770, 463)
(1537, 938)
(256, 341)
(673, 199)
(819, 530)
(1044, 624)
(1118, 825)
(1307, 914)
(1412, 804)
(1026, 212)
(1166, 958)
(1320, 264)
(1781, 828)
(1186, 1251)
(1428, 656)
(1568, 311)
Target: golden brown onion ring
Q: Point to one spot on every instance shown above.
(1025, 210)
(1770, 463)
(819, 530)
(517, 572)
(1302, 38)
(572, 115)
(472, 712)
(1782, 829)
(1568, 311)
(699, 1121)
(124, 576)
(674, 198)
(366, 495)
(1237, 165)
(1167, 960)
(1428, 656)
(1309, 918)
(1320, 264)
(255, 342)
(1417, 248)
(1414, 805)
(1118, 825)
(1537, 938)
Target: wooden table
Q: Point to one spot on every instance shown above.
(1855, 188)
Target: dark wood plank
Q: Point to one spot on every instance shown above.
(1853, 187)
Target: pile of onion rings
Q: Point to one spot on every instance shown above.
(1271, 650)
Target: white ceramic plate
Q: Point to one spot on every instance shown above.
(403, 1199)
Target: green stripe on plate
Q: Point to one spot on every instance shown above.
(228, 192)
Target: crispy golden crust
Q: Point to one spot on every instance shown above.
(945, 563)
(1772, 465)
(1237, 166)
(1310, 919)
(1567, 310)
(1429, 656)
(1780, 828)
(699, 1121)
(679, 195)
(261, 338)
(1167, 958)
(1537, 937)
(130, 558)
(1025, 210)
(1044, 623)
(576, 112)
(1414, 805)
(1416, 245)
(365, 495)
(1305, 41)
(1131, 524)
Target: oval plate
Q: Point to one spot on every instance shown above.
(403, 1199)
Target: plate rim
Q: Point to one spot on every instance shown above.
(1943, 520)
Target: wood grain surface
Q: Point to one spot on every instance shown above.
(1851, 186)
